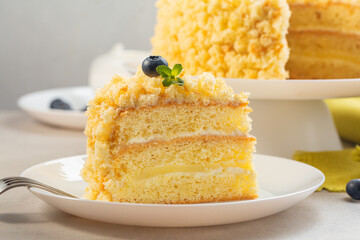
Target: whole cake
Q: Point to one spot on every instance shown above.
(247, 39)
(229, 38)
(324, 38)
(169, 139)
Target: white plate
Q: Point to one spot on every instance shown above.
(283, 183)
(37, 104)
(297, 89)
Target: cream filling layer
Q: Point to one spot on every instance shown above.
(329, 56)
(237, 132)
(192, 171)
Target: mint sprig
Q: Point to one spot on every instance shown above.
(170, 75)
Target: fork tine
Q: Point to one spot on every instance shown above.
(33, 183)
(8, 187)
(40, 186)
(12, 182)
(23, 184)
(6, 179)
(12, 179)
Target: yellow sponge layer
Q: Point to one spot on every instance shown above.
(229, 38)
(325, 15)
(324, 38)
(183, 170)
(322, 55)
(171, 121)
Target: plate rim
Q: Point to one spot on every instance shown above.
(209, 204)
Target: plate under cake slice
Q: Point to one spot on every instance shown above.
(148, 143)
(324, 38)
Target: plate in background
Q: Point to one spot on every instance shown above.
(37, 105)
(283, 183)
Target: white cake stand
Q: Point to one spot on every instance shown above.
(290, 115)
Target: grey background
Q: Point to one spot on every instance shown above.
(50, 43)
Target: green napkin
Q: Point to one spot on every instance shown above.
(346, 114)
(339, 167)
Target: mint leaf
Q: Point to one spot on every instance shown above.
(164, 71)
(179, 81)
(170, 75)
(167, 81)
(176, 70)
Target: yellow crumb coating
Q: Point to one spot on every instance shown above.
(143, 91)
(229, 38)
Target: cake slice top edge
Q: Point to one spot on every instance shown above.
(143, 91)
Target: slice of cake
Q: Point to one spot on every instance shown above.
(229, 38)
(169, 139)
(324, 38)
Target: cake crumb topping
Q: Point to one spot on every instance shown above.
(143, 91)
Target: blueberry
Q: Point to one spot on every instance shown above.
(150, 64)
(353, 189)
(59, 104)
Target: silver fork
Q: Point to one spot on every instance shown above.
(14, 182)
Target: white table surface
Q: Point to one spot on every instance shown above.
(24, 142)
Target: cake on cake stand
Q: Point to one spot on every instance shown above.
(290, 115)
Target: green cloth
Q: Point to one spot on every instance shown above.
(339, 167)
(346, 115)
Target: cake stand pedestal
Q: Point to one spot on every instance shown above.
(291, 115)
